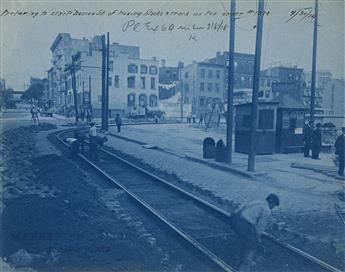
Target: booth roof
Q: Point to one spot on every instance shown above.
(285, 101)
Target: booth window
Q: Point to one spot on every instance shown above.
(266, 118)
(293, 123)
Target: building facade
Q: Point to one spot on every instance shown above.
(202, 86)
(169, 77)
(133, 84)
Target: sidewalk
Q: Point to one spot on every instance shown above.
(186, 141)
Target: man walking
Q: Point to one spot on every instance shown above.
(340, 151)
(118, 122)
(307, 132)
(316, 142)
(249, 223)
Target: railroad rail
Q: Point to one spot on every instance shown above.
(201, 224)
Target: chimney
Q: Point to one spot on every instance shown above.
(218, 57)
(162, 62)
(180, 64)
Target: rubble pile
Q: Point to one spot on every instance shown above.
(53, 218)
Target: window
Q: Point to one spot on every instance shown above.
(142, 100)
(217, 87)
(209, 87)
(111, 65)
(261, 93)
(266, 119)
(268, 82)
(202, 73)
(210, 73)
(209, 101)
(202, 101)
(153, 70)
(153, 100)
(131, 100)
(142, 83)
(132, 68)
(116, 82)
(218, 74)
(143, 69)
(293, 123)
(153, 83)
(131, 82)
(186, 100)
(202, 86)
(186, 87)
(186, 75)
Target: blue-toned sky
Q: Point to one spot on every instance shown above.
(25, 40)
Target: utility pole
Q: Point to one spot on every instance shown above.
(104, 81)
(74, 87)
(256, 84)
(83, 95)
(313, 69)
(181, 95)
(89, 105)
(107, 87)
(230, 108)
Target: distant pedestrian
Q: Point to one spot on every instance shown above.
(82, 114)
(156, 119)
(35, 114)
(194, 118)
(307, 133)
(340, 151)
(118, 122)
(316, 141)
(201, 119)
(249, 222)
(81, 138)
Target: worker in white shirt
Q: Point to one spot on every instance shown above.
(93, 145)
(249, 222)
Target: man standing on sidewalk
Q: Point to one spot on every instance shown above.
(118, 122)
(249, 223)
(316, 141)
(307, 132)
(340, 151)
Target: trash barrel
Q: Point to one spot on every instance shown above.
(208, 148)
(220, 151)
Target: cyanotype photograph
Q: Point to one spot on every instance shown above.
(172, 136)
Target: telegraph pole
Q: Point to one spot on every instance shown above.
(230, 108)
(74, 87)
(104, 80)
(181, 109)
(107, 87)
(313, 69)
(89, 92)
(256, 84)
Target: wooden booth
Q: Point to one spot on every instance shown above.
(280, 126)
(266, 133)
(290, 123)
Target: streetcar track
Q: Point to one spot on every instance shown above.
(145, 195)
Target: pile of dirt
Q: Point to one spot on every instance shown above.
(54, 219)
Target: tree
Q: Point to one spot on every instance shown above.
(35, 91)
(6, 98)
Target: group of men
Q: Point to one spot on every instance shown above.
(312, 139)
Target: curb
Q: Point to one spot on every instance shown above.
(215, 165)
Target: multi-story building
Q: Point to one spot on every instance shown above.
(288, 80)
(168, 80)
(333, 102)
(64, 47)
(322, 77)
(243, 77)
(133, 83)
(203, 85)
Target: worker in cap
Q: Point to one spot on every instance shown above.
(249, 222)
